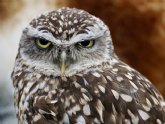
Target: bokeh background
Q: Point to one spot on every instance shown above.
(137, 29)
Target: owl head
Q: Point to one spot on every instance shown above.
(64, 42)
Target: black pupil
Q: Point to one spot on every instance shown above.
(43, 42)
(85, 43)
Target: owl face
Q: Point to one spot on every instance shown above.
(65, 41)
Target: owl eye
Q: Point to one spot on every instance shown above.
(42, 43)
(87, 43)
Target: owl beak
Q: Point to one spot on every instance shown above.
(63, 64)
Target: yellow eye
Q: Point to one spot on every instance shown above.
(87, 43)
(41, 43)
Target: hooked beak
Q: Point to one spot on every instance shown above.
(63, 64)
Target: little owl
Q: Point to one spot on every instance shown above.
(66, 72)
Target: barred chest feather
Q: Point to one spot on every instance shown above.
(116, 94)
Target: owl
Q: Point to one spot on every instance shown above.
(66, 72)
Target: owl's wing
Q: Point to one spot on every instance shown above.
(129, 97)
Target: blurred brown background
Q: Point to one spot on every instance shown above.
(137, 29)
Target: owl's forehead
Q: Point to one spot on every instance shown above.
(65, 23)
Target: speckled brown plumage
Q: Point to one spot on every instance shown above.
(103, 86)
(95, 88)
